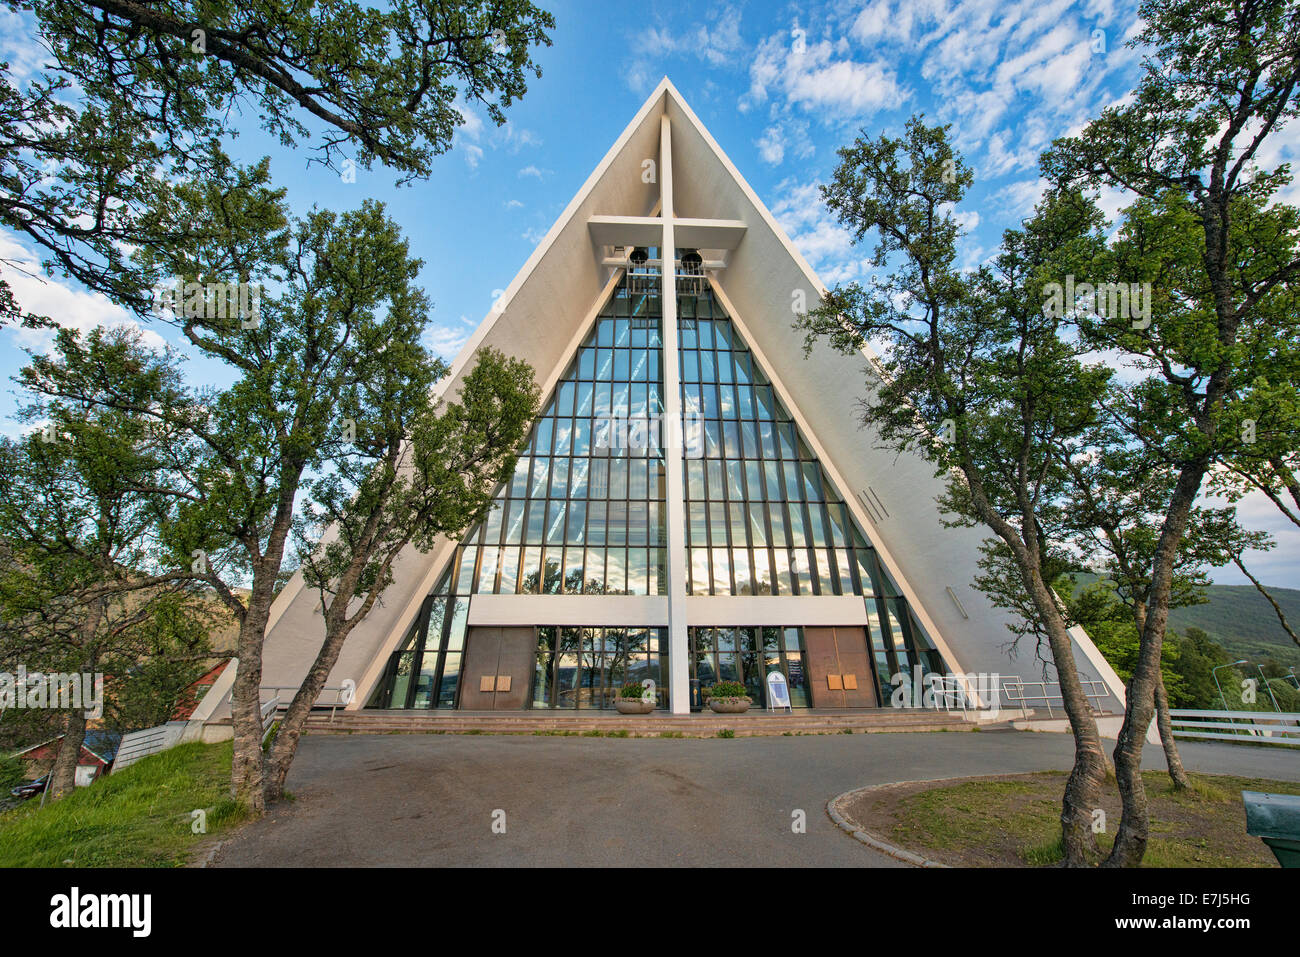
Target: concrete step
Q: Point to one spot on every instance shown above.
(695, 725)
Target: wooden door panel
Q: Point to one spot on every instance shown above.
(515, 667)
(482, 649)
(823, 664)
(855, 665)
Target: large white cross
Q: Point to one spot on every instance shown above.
(670, 232)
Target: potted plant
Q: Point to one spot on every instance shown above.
(634, 698)
(728, 697)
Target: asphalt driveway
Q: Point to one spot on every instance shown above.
(460, 800)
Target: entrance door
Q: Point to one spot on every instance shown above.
(498, 667)
(839, 668)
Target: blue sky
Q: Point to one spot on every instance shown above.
(780, 86)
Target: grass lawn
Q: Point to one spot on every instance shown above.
(137, 818)
(1014, 820)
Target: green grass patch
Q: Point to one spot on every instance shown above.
(139, 817)
(1015, 820)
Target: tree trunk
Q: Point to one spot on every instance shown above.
(1083, 787)
(1134, 826)
(287, 737)
(246, 767)
(63, 776)
(1173, 761)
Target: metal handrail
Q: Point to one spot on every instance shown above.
(942, 689)
(283, 704)
(1014, 689)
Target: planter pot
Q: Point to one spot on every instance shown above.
(633, 705)
(729, 705)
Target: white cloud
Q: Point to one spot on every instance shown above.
(1019, 199)
(532, 171)
(473, 135)
(785, 136)
(826, 244)
(68, 307)
(517, 138)
(446, 341)
(820, 78)
(19, 46)
(716, 41)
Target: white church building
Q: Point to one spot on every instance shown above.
(697, 500)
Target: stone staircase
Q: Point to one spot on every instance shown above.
(657, 724)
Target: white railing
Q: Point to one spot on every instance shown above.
(949, 692)
(643, 280)
(140, 744)
(282, 702)
(1272, 726)
(1014, 690)
(690, 278)
(268, 712)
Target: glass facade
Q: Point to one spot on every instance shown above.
(425, 670)
(584, 514)
(749, 655)
(762, 518)
(585, 667)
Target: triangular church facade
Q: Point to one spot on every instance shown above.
(697, 500)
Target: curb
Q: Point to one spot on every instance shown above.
(876, 843)
(208, 856)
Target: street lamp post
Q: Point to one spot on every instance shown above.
(1260, 669)
(1215, 676)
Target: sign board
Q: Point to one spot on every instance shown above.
(778, 692)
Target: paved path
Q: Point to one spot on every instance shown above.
(428, 800)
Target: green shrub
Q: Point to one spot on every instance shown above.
(726, 689)
(12, 773)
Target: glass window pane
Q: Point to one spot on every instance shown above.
(721, 572)
(450, 680)
(594, 569)
(700, 580)
(616, 571)
(555, 523)
(530, 578)
(488, 570)
(509, 571)
(638, 571)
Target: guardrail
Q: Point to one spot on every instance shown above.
(1275, 727)
(282, 703)
(949, 692)
(1013, 689)
(268, 712)
(140, 744)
